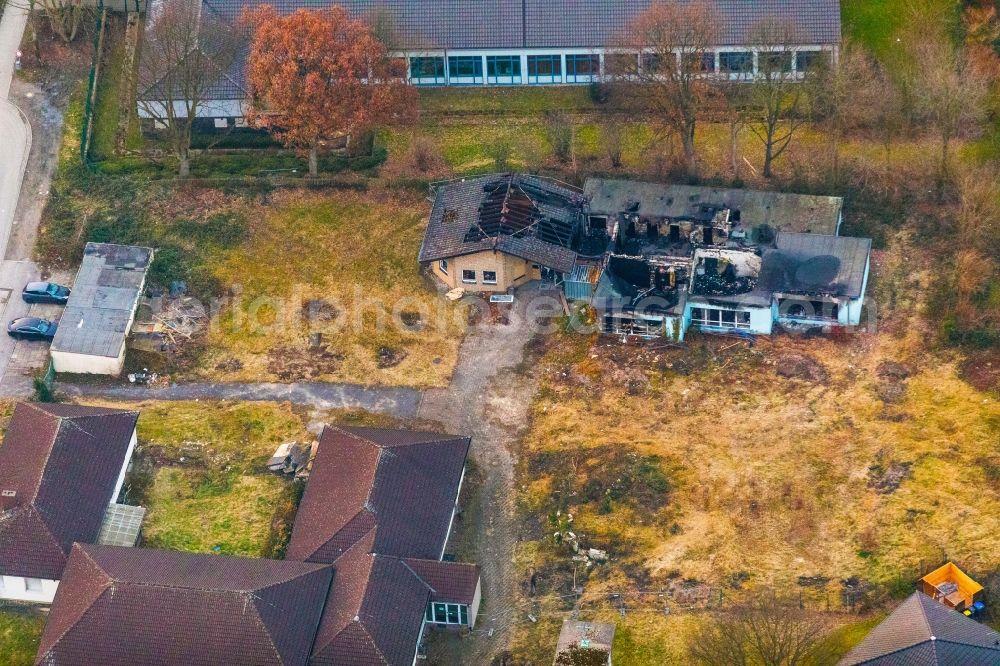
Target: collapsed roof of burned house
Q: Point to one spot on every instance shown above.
(533, 218)
(721, 259)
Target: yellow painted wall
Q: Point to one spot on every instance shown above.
(511, 271)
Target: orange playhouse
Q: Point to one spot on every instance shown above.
(951, 586)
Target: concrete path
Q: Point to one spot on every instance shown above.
(400, 402)
(15, 133)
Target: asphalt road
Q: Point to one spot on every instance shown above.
(18, 360)
(15, 133)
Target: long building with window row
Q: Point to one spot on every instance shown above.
(540, 42)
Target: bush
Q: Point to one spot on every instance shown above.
(559, 128)
(422, 160)
(599, 93)
(500, 150)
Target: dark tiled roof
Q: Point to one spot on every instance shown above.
(63, 462)
(402, 484)
(840, 271)
(453, 582)
(374, 497)
(125, 606)
(923, 632)
(512, 24)
(374, 612)
(456, 213)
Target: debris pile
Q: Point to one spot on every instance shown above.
(294, 459)
(182, 318)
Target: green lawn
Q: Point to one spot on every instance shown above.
(874, 23)
(20, 631)
(202, 476)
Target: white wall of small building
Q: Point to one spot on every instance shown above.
(15, 588)
(87, 364)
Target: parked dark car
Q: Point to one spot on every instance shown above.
(31, 328)
(45, 292)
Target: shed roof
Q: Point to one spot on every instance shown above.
(461, 220)
(122, 606)
(105, 294)
(922, 632)
(62, 463)
(781, 211)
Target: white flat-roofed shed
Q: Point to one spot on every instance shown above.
(101, 309)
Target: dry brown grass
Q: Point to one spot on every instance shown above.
(771, 477)
(350, 250)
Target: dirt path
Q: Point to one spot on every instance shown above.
(399, 402)
(489, 400)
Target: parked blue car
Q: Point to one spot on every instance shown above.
(45, 292)
(31, 328)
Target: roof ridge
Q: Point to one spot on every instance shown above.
(354, 543)
(32, 509)
(263, 625)
(371, 485)
(374, 644)
(319, 567)
(79, 548)
(48, 453)
(419, 577)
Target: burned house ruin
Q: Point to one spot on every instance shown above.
(738, 261)
(654, 260)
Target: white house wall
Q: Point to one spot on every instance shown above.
(124, 469)
(14, 588)
(218, 108)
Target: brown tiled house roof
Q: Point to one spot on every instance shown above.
(453, 582)
(401, 484)
(378, 506)
(924, 632)
(61, 462)
(127, 606)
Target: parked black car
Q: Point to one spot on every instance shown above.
(45, 292)
(31, 328)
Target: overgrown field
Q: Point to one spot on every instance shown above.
(839, 469)
(342, 266)
(274, 267)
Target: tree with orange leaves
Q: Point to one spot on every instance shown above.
(318, 75)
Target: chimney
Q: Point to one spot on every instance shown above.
(8, 499)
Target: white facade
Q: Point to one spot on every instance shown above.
(519, 67)
(21, 588)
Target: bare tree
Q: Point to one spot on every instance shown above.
(612, 141)
(65, 16)
(735, 96)
(844, 93)
(978, 222)
(674, 40)
(185, 52)
(949, 89)
(777, 97)
(764, 630)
